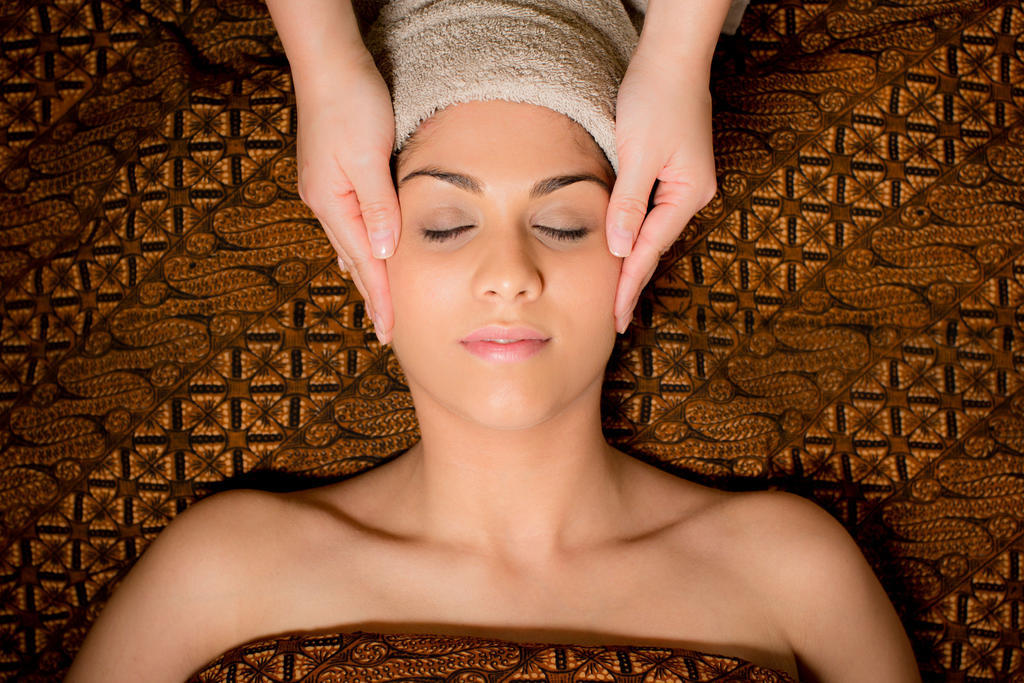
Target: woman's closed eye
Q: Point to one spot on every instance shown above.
(446, 234)
(561, 234)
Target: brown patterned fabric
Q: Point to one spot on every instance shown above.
(373, 657)
(845, 320)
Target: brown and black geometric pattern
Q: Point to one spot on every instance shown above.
(845, 320)
(363, 656)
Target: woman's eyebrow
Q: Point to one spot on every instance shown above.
(549, 185)
(541, 188)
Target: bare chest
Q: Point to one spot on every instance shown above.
(633, 596)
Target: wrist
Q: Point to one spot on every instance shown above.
(330, 73)
(669, 70)
(683, 34)
(321, 39)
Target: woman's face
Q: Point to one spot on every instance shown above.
(502, 282)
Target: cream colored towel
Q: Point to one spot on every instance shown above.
(566, 55)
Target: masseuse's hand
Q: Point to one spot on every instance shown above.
(346, 129)
(663, 133)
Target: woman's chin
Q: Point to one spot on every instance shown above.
(506, 410)
(509, 409)
(512, 418)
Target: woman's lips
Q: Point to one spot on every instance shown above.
(505, 344)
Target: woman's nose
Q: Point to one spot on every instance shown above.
(507, 270)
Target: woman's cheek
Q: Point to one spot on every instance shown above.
(400, 279)
(600, 272)
(421, 293)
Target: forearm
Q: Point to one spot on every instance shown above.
(683, 33)
(319, 37)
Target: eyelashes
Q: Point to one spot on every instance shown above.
(573, 235)
(444, 235)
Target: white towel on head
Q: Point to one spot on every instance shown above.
(566, 55)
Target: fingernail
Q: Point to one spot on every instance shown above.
(380, 337)
(341, 266)
(626, 319)
(620, 242)
(383, 243)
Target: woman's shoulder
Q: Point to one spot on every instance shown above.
(229, 527)
(241, 510)
(248, 519)
(767, 518)
(786, 544)
(753, 536)
(204, 577)
(813, 580)
(750, 520)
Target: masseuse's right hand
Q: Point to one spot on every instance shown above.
(346, 130)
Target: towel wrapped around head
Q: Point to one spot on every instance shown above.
(566, 55)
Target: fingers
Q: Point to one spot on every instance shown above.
(675, 206)
(353, 246)
(381, 315)
(372, 270)
(628, 204)
(362, 222)
(378, 205)
(637, 269)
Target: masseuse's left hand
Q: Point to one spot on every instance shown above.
(663, 133)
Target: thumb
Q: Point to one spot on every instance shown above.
(378, 204)
(628, 204)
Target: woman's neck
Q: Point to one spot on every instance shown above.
(539, 491)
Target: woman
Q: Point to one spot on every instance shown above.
(512, 518)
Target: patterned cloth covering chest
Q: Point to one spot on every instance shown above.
(361, 656)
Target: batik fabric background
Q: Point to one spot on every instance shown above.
(843, 321)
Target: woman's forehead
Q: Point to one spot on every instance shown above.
(499, 116)
(462, 130)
